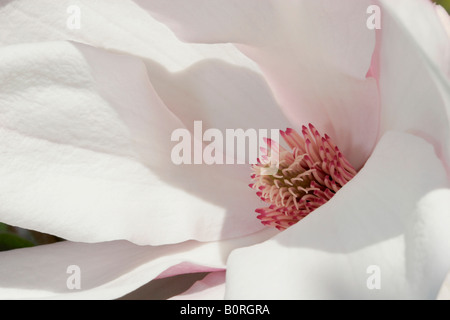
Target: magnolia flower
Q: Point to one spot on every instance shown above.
(85, 140)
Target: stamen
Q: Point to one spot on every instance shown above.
(307, 176)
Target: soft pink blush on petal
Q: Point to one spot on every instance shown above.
(374, 70)
(212, 287)
(109, 270)
(186, 267)
(314, 54)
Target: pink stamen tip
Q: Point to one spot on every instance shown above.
(308, 176)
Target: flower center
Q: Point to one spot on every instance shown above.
(307, 176)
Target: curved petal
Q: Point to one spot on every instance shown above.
(423, 28)
(212, 287)
(428, 243)
(118, 25)
(375, 229)
(415, 72)
(212, 83)
(86, 154)
(314, 54)
(107, 270)
(163, 289)
(215, 84)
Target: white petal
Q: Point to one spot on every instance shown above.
(415, 72)
(428, 243)
(108, 270)
(216, 84)
(422, 22)
(86, 154)
(213, 83)
(212, 287)
(118, 25)
(314, 54)
(235, 21)
(375, 223)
